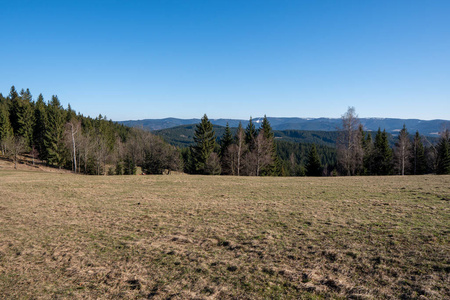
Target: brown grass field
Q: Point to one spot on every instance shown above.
(197, 237)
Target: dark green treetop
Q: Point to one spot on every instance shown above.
(313, 166)
(205, 142)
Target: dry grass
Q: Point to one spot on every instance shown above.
(186, 237)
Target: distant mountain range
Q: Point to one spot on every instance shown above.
(392, 126)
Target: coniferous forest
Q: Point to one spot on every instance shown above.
(58, 137)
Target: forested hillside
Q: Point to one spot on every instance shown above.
(59, 137)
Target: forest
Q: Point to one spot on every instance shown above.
(60, 137)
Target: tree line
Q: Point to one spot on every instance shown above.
(359, 154)
(64, 139)
(250, 152)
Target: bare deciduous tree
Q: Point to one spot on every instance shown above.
(241, 147)
(73, 133)
(15, 146)
(402, 151)
(349, 149)
(263, 151)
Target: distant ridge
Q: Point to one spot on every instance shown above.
(392, 125)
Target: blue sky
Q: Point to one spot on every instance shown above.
(231, 59)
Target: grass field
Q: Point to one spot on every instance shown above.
(195, 237)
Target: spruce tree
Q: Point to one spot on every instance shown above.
(418, 158)
(15, 108)
(382, 156)
(313, 166)
(54, 135)
(26, 122)
(275, 168)
(6, 131)
(250, 134)
(368, 154)
(40, 118)
(225, 141)
(443, 153)
(205, 142)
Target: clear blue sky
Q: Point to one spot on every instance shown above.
(231, 59)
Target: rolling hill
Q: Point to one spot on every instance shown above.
(392, 126)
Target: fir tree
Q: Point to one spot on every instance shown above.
(313, 166)
(205, 142)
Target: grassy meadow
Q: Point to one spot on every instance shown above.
(199, 237)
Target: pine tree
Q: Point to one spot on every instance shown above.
(205, 142)
(313, 166)
(443, 153)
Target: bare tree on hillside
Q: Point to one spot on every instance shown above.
(402, 151)
(241, 147)
(263, 152)
(15, 146)
(73, 133)
(349, 148)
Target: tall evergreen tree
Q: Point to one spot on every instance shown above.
(368, 154)
(205, 142)
(54, 135)
(40, 127)
(15, 108)
(226, 140)
(26, 122)
(418, 158)
(226, 157)
(273, 169)
(382, 155)
(313, 166)
(6, 131)
(250, 134)
(443, 153)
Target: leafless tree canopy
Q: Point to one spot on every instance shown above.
(349, 148)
